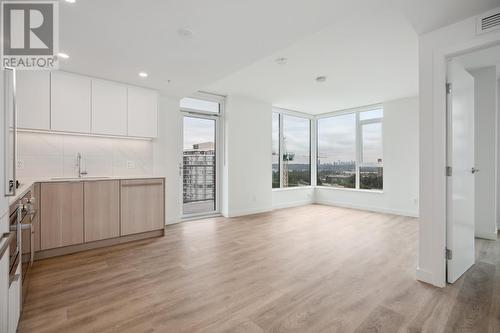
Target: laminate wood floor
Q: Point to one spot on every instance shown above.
(306, 269)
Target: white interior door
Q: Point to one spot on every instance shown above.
(460, 201)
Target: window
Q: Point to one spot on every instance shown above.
(350, 153)
(371, 168)
(337, 151)
(291, 149)
(296, 151)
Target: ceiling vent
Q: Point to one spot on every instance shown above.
(489, 21)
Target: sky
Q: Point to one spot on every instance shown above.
(336, 136)
(198, 130)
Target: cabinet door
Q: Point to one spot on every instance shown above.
(101, 210)
(33, 99)
(70, 99)
(142, 112)
(61, 218)
(142, 205)
(109, 108)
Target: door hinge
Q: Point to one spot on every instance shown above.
(449, 171)
(449, 254)
(448, 88)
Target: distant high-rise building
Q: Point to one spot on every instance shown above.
(199, 172)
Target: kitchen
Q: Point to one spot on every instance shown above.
(79, 165)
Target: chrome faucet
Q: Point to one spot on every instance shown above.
(79, 164)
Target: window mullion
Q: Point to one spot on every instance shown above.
(359, 152)
(280, 148)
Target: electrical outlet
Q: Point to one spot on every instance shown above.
(20, 164)
(130, 165)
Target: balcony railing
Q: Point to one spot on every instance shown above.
(198, 182)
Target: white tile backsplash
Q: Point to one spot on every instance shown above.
(54, 155)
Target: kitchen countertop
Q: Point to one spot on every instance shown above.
(27, 183)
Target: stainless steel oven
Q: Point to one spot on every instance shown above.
(21, 215)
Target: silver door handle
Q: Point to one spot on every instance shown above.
(474, 171)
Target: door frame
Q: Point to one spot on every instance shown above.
(219, 138)
(433, 246)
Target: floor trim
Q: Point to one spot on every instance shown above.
(44, 254)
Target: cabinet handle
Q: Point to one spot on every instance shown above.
(143, 184)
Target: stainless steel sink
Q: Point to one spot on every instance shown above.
(76, 178)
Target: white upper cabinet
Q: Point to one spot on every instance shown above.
(109, 108)
(71, 102)
(33, 99)
(61, 101)
(142, 112)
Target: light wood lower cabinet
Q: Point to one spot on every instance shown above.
(79, 212)
(61, 214)
(142, 205)
(102, 210)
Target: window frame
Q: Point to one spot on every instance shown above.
(312, 152)
(359, 142)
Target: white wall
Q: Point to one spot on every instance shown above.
(485, 98)
(400, 144)
(168, 155)
(42, 155)
(434, 48)
(247, 160)
(293, 196)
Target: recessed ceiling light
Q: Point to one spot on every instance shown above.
(185, 32)
(281, 61)
(63, 55)
(143, 74)
(321, 78)
(71, 1)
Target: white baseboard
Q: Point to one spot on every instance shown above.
(484, 235)
(369, 208)
(243, 212)
(293, 204)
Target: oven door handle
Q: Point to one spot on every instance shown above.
(13, 276)
(29, 226)
(5, 243)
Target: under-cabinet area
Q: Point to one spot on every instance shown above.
(82, 214)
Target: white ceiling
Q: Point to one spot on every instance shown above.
(117, 39)
(367, 58)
